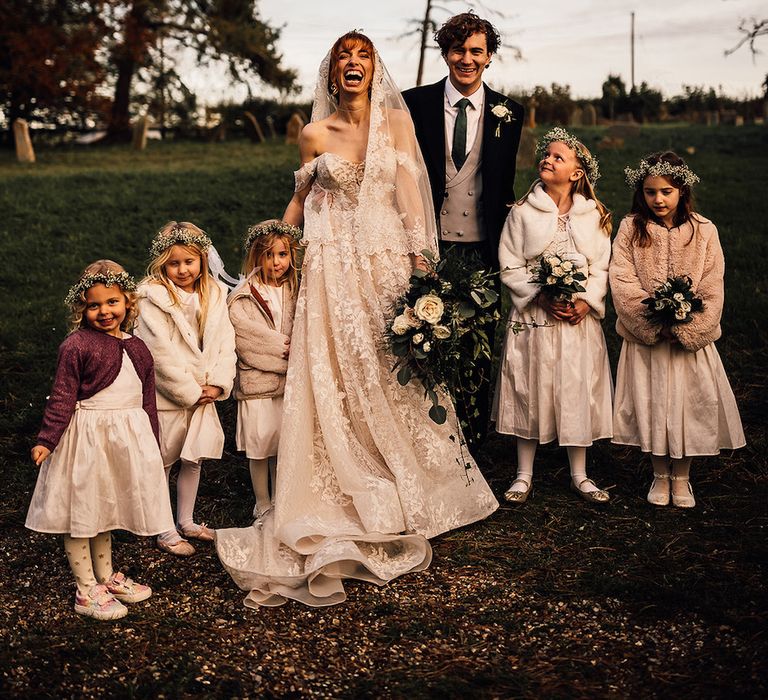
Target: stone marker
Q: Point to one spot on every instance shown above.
(530, 120)
(293, 128)
(255, 132)
(140, 129)
(574, 118)
(526, 152)
(589, 115)
(271, 126)
(24, 151)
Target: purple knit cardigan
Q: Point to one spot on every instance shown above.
(88, 362)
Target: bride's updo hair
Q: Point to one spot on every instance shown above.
(350, 40)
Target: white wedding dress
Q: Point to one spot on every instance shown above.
(364, 477)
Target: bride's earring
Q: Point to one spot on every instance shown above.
(334, 89)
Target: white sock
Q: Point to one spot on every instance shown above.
(187, 484)
(101, 556)
(577, 458)
(681, 468)
(78, 552)
(259, 469)
(526, 451)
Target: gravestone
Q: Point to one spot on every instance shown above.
(139, 138)
(24, 151)
(575, 117)
(271, 126)
(738, 120)
(589, 115)
(530, 121)
(526, 152)
(293, 128)
(255, 132)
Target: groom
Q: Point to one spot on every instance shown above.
(469, 136)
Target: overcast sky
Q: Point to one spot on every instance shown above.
(572, 42)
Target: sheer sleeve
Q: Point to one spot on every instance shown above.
(304, 175)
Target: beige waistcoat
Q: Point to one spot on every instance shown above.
(461, 217)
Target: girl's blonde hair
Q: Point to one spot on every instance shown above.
(258, 250)
(77, 307)
(583, 187)
(156, 269)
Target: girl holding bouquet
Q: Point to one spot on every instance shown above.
(554, 381)
(673, 399)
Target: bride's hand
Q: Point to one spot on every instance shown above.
(419, 263)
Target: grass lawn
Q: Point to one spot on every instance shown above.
(553, 598)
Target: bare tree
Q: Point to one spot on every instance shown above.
(427, 26)
(750, 29)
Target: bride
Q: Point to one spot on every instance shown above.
(364, 477)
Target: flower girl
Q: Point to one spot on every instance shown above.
(554, 381)
(184, 323)
(261, 310)
(101, 466)
(673, 399)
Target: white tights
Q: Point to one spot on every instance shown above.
(664, 466)
(187, 483)
(526, 451)
(261, 471)
(90, 559)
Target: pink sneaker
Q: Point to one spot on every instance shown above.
(126, 590)
(99, 603)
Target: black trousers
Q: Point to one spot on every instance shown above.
(473, 410)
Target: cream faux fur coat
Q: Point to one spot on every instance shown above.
(692, 250)
(181, 366)
(531, 227)
(261, 367)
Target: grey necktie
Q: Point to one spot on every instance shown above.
(459, 149)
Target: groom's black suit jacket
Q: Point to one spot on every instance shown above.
(498, 154)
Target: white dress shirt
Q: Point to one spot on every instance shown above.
(474, 112)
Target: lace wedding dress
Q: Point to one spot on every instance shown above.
(364, 477)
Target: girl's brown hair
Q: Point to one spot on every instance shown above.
(642, 213)
(258, 252)
(583, 187)
(156, 270)
(77, 310)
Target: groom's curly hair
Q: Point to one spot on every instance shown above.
(460, 27)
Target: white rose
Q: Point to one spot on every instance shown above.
(677, 296)
(500, 111)
(685, 306)
(441, 332)
(658, 305)
(427, 346)
(558, 271)
(568, 279)
(680, 315)
(567, 265)
(418, 338)
(429, 308)
(551, 280)
(552, 260)
(400, 325)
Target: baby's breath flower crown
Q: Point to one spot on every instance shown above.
(178, 235)
(560, 134)
(271, 227)
(121, 279)
(679, 173)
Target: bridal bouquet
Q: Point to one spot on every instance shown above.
(440, 327)
(673, 302)
(558, 277)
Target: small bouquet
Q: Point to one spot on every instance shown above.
(440, 328)
(673, 302)
(558, 277)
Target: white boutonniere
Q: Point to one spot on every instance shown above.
(503, 114)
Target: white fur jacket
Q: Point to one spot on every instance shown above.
(181, 366)
(692, 250)
(531, 227)
(261, 367)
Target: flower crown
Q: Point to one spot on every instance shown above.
(178, 235)
(109, 278)
(679, 173)
(271, 227)
(560, 134)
